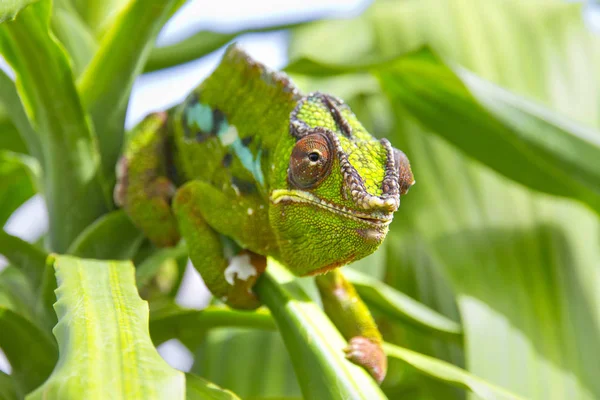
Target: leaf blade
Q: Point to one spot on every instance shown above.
(449, 373)
(31, 352)
(10, 8)
(19, 175)
(112, 236)
(106, 83)
(314, 344)
(102, 333)
(399, 306)
(73, 186)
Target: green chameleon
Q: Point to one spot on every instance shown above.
(247, 167)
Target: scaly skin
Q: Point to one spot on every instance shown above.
(246, 167)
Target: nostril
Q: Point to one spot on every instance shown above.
(390, 205)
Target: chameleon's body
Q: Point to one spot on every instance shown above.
(246, 167)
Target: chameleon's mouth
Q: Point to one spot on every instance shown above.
(376, 219)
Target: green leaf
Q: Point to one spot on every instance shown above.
(7, 387)
(18, 179)
(200, 44)
(152, 264)
(410, 269)
(74, 34)
(9, 98)
(9, 136)
(169, 321)
(314, 344)
(30, 259)
(197, 388)
(112, 236)
(238, 359)
(522, 140)
(397, 305)
(102, 333)
(16, 293)
(106, 83)
(10, 8)
(449, 373)
(73, 188)
(99, 14)
(30, 351)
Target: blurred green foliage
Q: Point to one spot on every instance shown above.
(486, 286)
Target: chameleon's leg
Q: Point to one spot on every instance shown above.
(143, 189)
(352, 317)
(228, 272)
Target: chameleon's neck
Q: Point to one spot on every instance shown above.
(256, 100)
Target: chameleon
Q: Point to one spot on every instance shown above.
(247, 167)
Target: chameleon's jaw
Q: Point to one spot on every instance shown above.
(376, 219)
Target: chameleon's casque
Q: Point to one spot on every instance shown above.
(247, 166)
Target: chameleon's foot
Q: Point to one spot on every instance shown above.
(241, 274)
(369, 355)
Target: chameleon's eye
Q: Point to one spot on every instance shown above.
(310, 161)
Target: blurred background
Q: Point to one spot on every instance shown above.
(494, 242)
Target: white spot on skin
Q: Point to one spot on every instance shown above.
(240, 267)
(229, 136)
(261, 206)
(250, 211)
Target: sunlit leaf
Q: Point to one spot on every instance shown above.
(197, 388)
(239, 358)
(152, 264)
(9, 98)
(315, 345)
(106, 83)
(170, 321)
(10, 8)
(102, 333)
(18, 182)
(449, 373)
(522, 140)
(31, 352)
(113, 236)
(74, 191)
(395, 304)
(30, 259)
(199, 45)
(74, 34)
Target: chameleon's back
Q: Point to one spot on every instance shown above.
(227, 129)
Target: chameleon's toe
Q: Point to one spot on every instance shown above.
(241, 274)
(368, 355)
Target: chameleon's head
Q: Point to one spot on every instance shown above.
(335, 187)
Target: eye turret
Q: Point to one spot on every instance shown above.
(405, 175)
(310, 161)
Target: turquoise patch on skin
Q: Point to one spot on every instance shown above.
(229, 137)
(201, 115)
